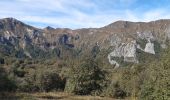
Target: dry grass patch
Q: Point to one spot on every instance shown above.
(49, 96)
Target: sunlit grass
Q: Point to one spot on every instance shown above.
(49, 96)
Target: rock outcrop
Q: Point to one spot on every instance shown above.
(149, 48)
(125, 50)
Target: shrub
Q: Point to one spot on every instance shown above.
(6, 84)
(86, 78)
(156, 85)
(42, 80)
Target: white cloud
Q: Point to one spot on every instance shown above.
(155, 14)
(73, 14)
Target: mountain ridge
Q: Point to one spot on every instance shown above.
(125, 39)
(114, 22)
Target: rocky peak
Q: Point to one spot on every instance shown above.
(9, 23)
(120, 24)
(49, 28)
(10, 20)
(13, 25)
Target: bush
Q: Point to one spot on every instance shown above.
(51, 81)
(86, 78)
(42, 80)
(156, 84)
(6, 84)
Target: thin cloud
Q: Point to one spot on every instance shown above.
(78, 13)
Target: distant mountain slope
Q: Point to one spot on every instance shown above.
(125, 41)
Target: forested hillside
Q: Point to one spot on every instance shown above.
(124, 60)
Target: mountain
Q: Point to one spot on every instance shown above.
(124, 41)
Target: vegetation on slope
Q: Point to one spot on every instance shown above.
(88, 75)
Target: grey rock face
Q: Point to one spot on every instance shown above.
(125, 50)
(115, 40)
(145, 35)
(112, 62)
(7, 35)
(149, 48)
(130, 52)
(164, 46)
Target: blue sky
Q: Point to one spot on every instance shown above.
(83, 13)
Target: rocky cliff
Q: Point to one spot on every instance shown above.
(123, 39)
